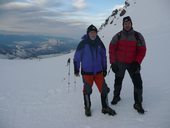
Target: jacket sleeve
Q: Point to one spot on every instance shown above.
(112, 49)
(78, 57)
(141, 49)
(104, 58)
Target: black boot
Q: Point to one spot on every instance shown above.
(139, 108)
(87, 111)
(87, 104)
(117, 89)
(105, 107)
(115, 100)
(109, 111)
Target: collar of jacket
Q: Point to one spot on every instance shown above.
(128, 32)
(92, 42)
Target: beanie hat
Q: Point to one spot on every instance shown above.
(91, 28)
(126, 19)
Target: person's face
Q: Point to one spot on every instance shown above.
(127, 25)
(92, 35)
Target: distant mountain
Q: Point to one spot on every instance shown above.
(116, 14)
(33, 46)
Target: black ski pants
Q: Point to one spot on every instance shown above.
(136, 79)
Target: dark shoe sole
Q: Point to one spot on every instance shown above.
(115, 102)
(139, 111)
(111, 114)
(88, 114)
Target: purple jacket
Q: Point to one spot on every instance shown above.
(90, 56)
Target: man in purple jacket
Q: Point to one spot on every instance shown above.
(90, 55)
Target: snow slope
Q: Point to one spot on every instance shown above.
(35, 93)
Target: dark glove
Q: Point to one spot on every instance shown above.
(76, 73)
(135, 66)
(114, 67)
(104, 73)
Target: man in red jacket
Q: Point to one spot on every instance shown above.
(126, 52)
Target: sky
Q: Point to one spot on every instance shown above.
(68, 18)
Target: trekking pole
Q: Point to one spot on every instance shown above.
(75, 82)
(68, 82)
(109, 70)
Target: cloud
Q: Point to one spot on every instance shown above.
(118, 6)
(5, 1)
(40, 16)
(54, 17)
(15, 5)
(79, 4)
(39, 2)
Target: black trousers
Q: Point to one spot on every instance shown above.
(136, 79)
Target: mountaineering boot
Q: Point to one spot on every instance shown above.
(117, 89)
(109, 111)
(87, 104)
(87, 111)
(139, 108)
(115, 100)
(105, 107)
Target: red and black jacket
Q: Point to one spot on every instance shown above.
(126, 48)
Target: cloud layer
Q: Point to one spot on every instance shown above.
(59, 17)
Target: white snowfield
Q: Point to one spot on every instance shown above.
(35, 93)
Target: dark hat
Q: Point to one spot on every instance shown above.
(91, 28)
(127, 18)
